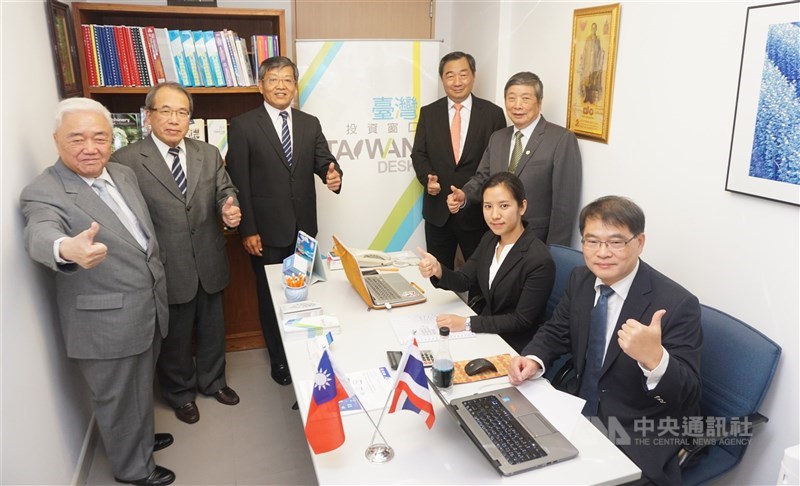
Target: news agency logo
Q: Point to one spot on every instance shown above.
(670, 431)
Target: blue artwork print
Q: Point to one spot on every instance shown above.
(776, 141)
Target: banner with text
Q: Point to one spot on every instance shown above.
(367, 96)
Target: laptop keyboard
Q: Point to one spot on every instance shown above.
(380, 290)
(505, 432)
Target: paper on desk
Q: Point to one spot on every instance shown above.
(425, 325)
(561, 409)
(372, 387)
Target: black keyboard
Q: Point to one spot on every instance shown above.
(505, 432)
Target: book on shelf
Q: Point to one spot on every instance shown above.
(222, 50)
(126, 129)
(218, 134)
(213, 58)
(154, 54)
(176, 45)
(191, 58)
(140, 56)
(167, 57)
(203, 63)
(89, 53)
(197, 129)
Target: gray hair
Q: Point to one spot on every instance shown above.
(526, 78)
(151, 95)
(72, 105)
(277, 62)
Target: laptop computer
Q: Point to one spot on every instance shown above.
(379, 291)
(509, 430)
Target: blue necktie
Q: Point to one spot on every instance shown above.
(177, 170)
(286, 140)
(128, 221)
(595, 351)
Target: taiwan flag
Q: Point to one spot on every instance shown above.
(411, 389)
(324, 429)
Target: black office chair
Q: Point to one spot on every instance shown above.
(737, 367)
(561, 373)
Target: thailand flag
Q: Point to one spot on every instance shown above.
(411, 388)
(324, 429)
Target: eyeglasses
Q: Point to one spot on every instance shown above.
(288, 82)
(613, 245)
(183, 114)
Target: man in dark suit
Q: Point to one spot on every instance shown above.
(635, 339)
(273, 153)
(187, 190)
(451, 136)
(543, 155)
(87, 221)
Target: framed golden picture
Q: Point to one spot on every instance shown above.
(591, 70)
(65, 52)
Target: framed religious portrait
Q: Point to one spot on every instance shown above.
(591, 70)
(65, 53)
(764, 159)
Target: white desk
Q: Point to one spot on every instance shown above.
(444, 454)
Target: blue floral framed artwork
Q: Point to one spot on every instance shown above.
(765, 147)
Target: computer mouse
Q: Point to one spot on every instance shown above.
(479, 365)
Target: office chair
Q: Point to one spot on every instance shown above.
(737, 367)
(562, 377)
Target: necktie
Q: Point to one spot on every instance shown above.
(286, 140)
(177, 170)
(595, 351)
(516, 154)
(455, 132)
(127, 219)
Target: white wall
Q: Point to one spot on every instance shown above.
(673, 104)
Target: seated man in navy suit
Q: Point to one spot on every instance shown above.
(635, 338)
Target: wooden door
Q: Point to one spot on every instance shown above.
(363, 19)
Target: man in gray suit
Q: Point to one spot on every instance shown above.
(187, 189)
(87, 221)
(543, 155)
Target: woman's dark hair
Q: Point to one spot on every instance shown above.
(509, 180)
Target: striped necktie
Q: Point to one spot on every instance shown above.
(286, 140)
(177, 170)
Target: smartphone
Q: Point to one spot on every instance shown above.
(395, 356)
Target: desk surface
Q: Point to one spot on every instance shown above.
(444, 454)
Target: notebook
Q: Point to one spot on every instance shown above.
(509, 430)
(379, 291)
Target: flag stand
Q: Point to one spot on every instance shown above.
(377, 453)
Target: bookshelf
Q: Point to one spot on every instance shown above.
(242, 325)
(208, 102)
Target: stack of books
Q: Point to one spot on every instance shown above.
(118, 55)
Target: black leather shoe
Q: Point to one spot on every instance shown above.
(280, 373)
(226, 396)
(160, 476)
(162, 441)
(188, 413)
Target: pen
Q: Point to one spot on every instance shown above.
(417, 287)
(388, 269)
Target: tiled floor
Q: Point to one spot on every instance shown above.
(258, 441)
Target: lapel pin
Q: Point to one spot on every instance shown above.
(527, 152)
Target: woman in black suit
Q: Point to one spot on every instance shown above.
(511, 266)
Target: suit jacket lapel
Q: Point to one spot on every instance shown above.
(536, 139)
(88, 200)
(515, 255)
(297, 138)
(153, 162)
(125, 187)
(272, 136)
(194, 166)
(633, 308)
(474, 120)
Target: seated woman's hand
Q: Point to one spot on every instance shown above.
(454, 322)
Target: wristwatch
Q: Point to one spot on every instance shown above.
(467, 325)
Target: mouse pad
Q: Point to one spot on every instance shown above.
(501, 362)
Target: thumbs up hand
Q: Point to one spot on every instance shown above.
(641, 342)
(231, 215)
(433, 185)
(82, 249)
(456, 199)
(428, 265)
(333, 179)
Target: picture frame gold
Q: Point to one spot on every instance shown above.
(593, 59)
(65, 51)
